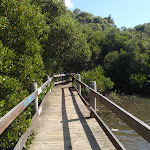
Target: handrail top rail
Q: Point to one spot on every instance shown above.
(139, 126)
(136, 124)
(10, 116)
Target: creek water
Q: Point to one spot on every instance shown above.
(139, 106)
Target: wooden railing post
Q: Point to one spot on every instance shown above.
(72, 77)
(46, 78)
(78, 85)
(35, 102)
(92, 98)
(63, 78)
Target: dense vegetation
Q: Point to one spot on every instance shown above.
(123, 53)
(97, 74)
(39, 37)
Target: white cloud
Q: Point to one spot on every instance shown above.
(68, 3)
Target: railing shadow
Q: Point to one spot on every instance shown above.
(93, 143)
(66, 132)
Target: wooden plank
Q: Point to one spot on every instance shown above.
(139, 126)
(136, 124)
(5, 122)
(81, 83)
(65, 124)
(46, 83)
(62, 82)
(25, 135)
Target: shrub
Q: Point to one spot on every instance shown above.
(11, 94)
(97, 74)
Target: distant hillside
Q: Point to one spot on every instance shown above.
(145, 29)
(95, 22)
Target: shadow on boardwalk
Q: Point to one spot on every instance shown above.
(66, 133)
(64, 124)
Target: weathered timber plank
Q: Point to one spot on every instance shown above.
(65, 124)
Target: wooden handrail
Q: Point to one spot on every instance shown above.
(108, 132)
(8, 118)
(139, 126)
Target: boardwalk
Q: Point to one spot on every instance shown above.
(65, 124)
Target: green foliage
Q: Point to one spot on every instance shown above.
(95, 22)
(143, 29)
(138, 80)
(77, 11)
(66, 48)
(85, 17)
(97, 74)
(53, 9)
(38, 36)
(114, 41)
(22, 30)
(11, 94)
(7, 57)
(121, 52)
(29, 140)
(118, 66)
(110, 20)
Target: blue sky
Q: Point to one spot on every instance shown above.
(128, 13)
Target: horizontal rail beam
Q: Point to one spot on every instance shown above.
(83, 100)
(8, 118)
(59, 75)
(62, 75)
(139, 126)
(108, 132)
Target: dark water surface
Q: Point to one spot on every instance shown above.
(139, 106)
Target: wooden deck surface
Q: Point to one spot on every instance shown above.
(64, 124)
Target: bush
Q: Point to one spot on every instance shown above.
(138, 80)
(97, 74)
(11, 94)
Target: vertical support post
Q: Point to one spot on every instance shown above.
(46, 78)
(72, 80)
(78, 85)
(73, 74)
(35, 102)
(62, 78)
(92, 98)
